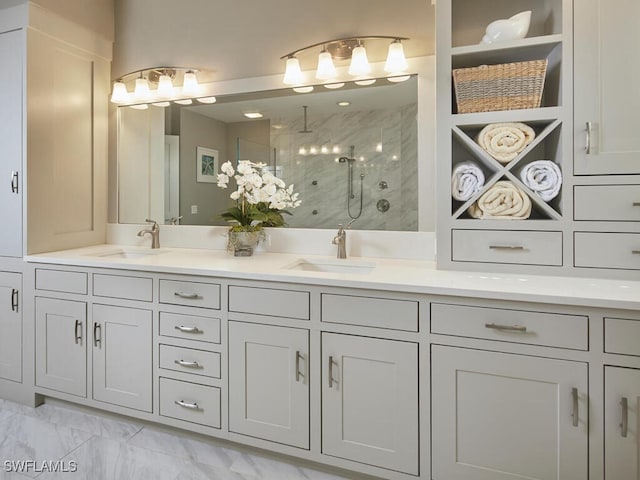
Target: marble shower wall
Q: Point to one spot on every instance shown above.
(385, 148)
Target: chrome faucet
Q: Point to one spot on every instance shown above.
(154, 231)
(341, 239)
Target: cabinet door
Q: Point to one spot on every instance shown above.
(11, 81)
(606, 58)
(370, 401)
(269, 382)
(501, 416)
(122, 356)
(10, 327)
(622, 422)
(61, 349)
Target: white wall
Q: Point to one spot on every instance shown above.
(94, 15)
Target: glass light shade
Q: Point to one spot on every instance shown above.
(142, 92)
(207, 100)
(119, 94)
(165, 87)
(292, 74)
(303, 89)
(401, 78)
(190, 87)
(333, 86)
(326, 69)
(186, 101)
(142, 106)
(161, 104)
(396, 62)
(359, 62)
(365, 81)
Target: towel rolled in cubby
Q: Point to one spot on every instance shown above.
(502, 201)
(543, 177)
(504, 141)
(467, 179)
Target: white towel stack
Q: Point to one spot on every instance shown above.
(467, 180)
(503, 201)
(543, 177)
(505, 141)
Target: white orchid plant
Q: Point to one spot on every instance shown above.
(261, 197)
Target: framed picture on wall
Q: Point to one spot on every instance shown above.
(206, 165)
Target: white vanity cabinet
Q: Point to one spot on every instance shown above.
(10, 327)
(370, 401)
(269, 382)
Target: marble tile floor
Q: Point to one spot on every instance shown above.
(113, 448)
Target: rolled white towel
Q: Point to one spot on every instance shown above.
(466, 180)
(503, 201)
(504, 141)
(543, 177)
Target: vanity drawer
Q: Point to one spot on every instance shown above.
(189, 360)
(516, 326)
(269, 301)
(612, 203)
(621, 336)
(121, 286)
(506, 246)
(190, 402)
(193, 294)
(190, 327)
(370, 312)
(607, 250)
(61, 281)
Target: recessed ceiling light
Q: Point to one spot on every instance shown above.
(344, 103)
(253, 115)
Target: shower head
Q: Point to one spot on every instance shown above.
(346, 159)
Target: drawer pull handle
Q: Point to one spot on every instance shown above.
(15, 186)
(624, 426)
(574, 414)
(636, 204)
(635, 252)
(14, 300)
(508, 328)
(184, 363)
(77, 332)
(190, 296)
(184, 329)
(331, 380)
(190, 406)
(299, 356)
(97, 340)
(587, 148)
(506, 247)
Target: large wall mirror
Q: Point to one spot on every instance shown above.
(351, 153)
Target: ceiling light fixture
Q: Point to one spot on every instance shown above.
(253, 115)
(349, 48)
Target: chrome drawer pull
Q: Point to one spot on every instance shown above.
(190, 296)
(190, 406)
(331, 372)
(78, 332)
(574, 415)
(636, 204)
(508, 328)
(624, 426)
(184, 363)
(588, 129)
(14, 300)
(97, 340)
(184, 329)
(14, 183)
(299, 374)
(506, 247)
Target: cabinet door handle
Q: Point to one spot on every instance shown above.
(575, 414)
(635, 252)
(506, 247)
(190, 406)
(624, 426)
(97, 340)
(77, 332)
(15, 186)
(299, 356)
(509, 328)
(184, 363)
(331, 371)
(184, 329)
(636, 204)
(14, 300)
(588, 130)
(190, 296)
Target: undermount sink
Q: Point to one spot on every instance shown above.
(127, 253)
(333, 266)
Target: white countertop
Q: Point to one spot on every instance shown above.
(395, 275)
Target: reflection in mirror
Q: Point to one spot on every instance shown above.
(357, 160)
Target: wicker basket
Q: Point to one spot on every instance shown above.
(508, 86)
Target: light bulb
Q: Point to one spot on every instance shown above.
(292, 74)
(326, 69)
(119, 94)
(359, 62)
(165, 87)
(190, 87)
(396, 62)
(142, 92)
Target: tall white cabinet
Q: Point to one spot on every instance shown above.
(10, 327)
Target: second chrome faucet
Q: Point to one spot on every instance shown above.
(341, 239)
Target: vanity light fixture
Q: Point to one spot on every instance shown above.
(349, 48)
